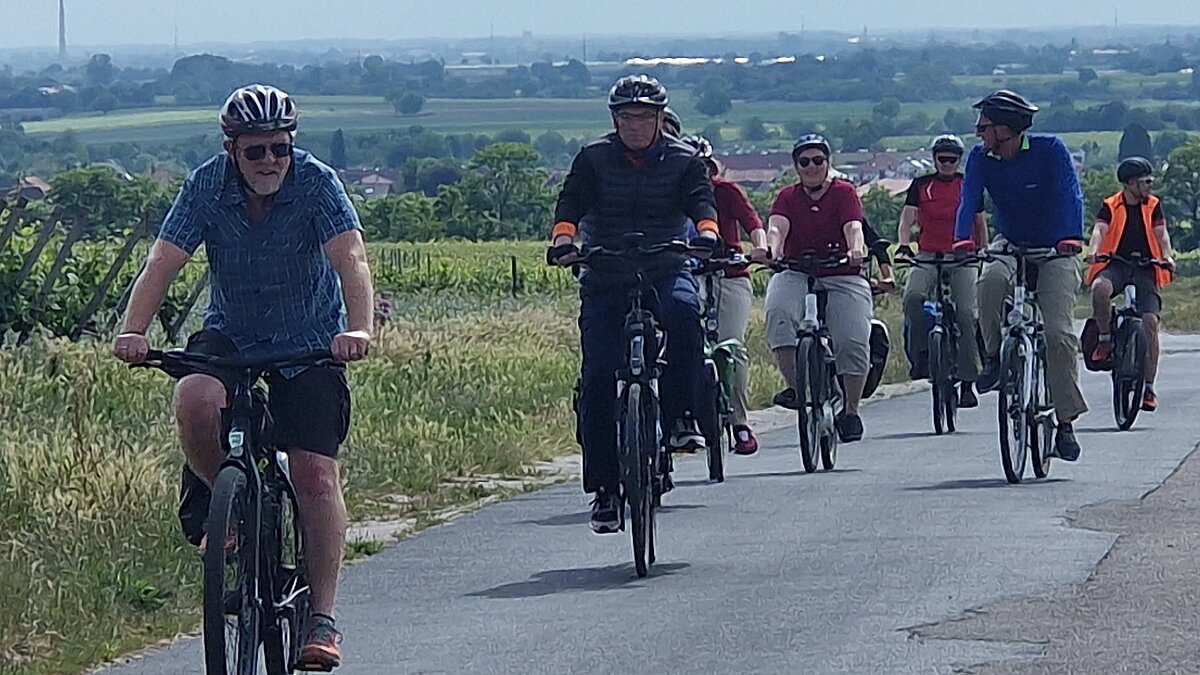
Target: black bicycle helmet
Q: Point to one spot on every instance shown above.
(1132, 168)
(258, 108)
(1007, 108)
(673, 123)
(704, 149)
(811, 141)
(948, 143)
(637, 90)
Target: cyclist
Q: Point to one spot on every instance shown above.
(1129, 223)
(635, 179)
(289, 275)
(735, 215)
(1038, 203)
(820, 213)
(932, 204)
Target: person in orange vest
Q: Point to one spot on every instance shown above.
(1131, 222)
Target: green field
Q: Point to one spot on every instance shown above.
(372, 114)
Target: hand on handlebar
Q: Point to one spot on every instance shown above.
(562, 255)
(131, 347)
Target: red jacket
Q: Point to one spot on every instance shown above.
(735, 214)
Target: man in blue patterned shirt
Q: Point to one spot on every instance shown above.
(288, 276)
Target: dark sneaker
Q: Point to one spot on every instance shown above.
(849, 428)
(1066, 447)
(966, 395)
(787, 399)
(605, 519)
(322, 649)
(989, 377)
(687, 436)
(744, 441)
(1149, 400)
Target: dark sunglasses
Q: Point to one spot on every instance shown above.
(805, 161)
(1146, 181)
(257, 152)
(980, 128)
(947, 159)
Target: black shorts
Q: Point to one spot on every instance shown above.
(311, 411)
(1149, 299)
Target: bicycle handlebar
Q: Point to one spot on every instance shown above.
(809, 262)
(938, 262)
(1135, 261)
(178, 363)
(714, 264)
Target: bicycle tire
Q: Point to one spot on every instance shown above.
(713, 424)
(1011, 407)
(937, 376)
(635, 477)
(1129, 375)
(1039, 446)
(283, 543)
(229, 518)
(829, 441)
(807, 420)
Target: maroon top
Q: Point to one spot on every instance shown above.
(815, 225)
(733, 210)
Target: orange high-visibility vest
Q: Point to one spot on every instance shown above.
(1112, 238)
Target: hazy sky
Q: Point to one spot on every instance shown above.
(107, 22)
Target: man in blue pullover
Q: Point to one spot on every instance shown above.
(1038, 203)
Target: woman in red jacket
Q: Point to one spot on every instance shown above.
(735, 215)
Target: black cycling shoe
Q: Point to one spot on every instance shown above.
(787, 399)
(966, 395)
(1066, 447)
(605, 516)
(849, 427)
(989, 377)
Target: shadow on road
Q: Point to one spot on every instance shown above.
(1109, 430)
(788, 474)
(977, 483)
(561, 520)
(923, 435)
(582, 579)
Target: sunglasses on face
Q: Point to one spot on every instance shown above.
(1146, 181)
(805, 161)
(636, 117)
(256, 152)
(947, 159)
(980, 128)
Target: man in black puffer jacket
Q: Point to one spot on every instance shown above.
(635, 179)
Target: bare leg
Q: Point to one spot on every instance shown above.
(1153, 345)
(1102, 303)
(785, 359)
(198, 402)
(319, 492)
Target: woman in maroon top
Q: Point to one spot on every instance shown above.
(821, 213)
(735, 215)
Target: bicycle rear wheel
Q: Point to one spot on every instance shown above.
(829, 440)
(713, 422)
(1012, 406)
(232, 615)
(808, 414)
(636, 478)
(283, 544)
(1041, 433)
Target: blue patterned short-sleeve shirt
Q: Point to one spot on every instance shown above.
(273, 292)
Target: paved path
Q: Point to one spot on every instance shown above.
(774, 571)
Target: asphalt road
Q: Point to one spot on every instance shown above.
(887, 565)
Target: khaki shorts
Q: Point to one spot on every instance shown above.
(848, 312)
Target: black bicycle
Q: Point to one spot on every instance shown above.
(1025, 417)
(1130, 344)
(819, 398)
(720, 365)
(943, 337)
(256, 592)
(645, 463)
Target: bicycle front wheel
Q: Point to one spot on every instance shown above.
(637, 477)
(285, 575)
(1012, 408)
(808, 414)
(1129, 374)
(232, 613)
(713, 422)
